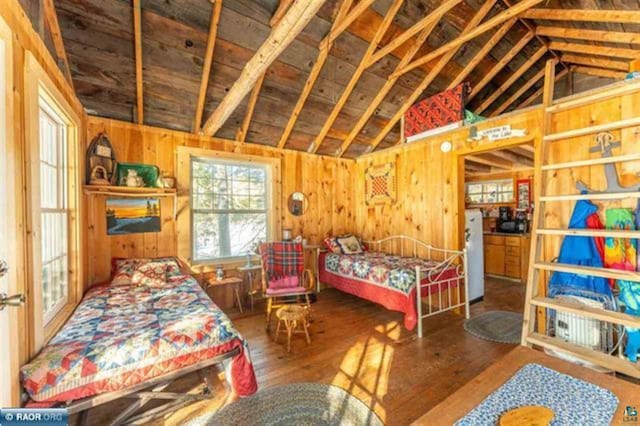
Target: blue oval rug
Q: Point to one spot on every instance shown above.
(295, 404)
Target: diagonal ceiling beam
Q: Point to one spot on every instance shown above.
(296, 18)
(497, 20)
(590, 61)
(490, 160)
(589, 35)
(530, 83)
(208, 60)
(243, 130)
(51, 18)
(608, 16)
(599, 72)
(615, 52)
(501, 64)
(382, 29)
(137, 34)
(426, 82)
(323, 54)
(427, 21)
(512, 79)
(280, 12)
(357, 10)
(410, 53)
(483, 52)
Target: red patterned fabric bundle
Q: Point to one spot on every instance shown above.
(439, 110)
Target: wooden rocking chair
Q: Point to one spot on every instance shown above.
(284, 279)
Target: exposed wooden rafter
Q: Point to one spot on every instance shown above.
(501, 64)
(591, 49)
(280, 12)
(429, 78)
(607, 16)
(323, 54)
(357, 10)
(426, 22)
(590, 35)
(137, 35)
(512, 79)
(528, 85)
(483, 52)
(512, 12)
(243, 130)
(591, 61)
(599, 72)
(489, 160)
(296, 18)
(362, 66)
(51, 19)
(407, 57)
(208, 60)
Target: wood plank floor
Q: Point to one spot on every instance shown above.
(364, 348)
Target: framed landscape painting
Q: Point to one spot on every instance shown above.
(132, 216)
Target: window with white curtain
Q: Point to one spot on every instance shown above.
(54, 207)
(229, 207)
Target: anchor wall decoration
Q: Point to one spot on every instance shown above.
(605, 145)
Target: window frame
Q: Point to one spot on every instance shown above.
(39, 87)
(483, 193)
(267, 211)
(184, 221)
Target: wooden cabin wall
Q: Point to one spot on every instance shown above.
(26, 41)
(326, 181)
(564, 181)
(430, 183)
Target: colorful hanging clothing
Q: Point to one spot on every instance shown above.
(580, 251)
(620, 253)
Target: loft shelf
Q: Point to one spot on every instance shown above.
(127, 191)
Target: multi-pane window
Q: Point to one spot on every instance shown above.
(229, 207)
(54, 206)
(498, 191)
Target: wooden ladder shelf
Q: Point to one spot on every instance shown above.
(538, 268)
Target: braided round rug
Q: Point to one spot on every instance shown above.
(497, 326)
(295, 404)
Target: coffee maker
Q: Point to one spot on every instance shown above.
(505, 222)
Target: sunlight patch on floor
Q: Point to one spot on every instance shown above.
(365, 369)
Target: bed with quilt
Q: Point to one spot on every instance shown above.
(150, 320)
(390, 280)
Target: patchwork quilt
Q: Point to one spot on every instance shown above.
(120, 336)
(393, 272)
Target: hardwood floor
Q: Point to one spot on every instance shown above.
(365, 349)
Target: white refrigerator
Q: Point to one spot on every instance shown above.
(475, 253)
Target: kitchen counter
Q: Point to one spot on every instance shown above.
(507, 234)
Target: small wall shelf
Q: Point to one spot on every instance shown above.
(128, 191)
(133, 192)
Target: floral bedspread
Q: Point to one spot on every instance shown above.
(385, 270)
(120, 336)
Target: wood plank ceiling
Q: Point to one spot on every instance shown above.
(99, 39)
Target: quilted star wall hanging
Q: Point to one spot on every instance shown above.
(380, 184)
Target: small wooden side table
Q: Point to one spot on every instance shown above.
(249, 271)
(235, 282)
(291, 316)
